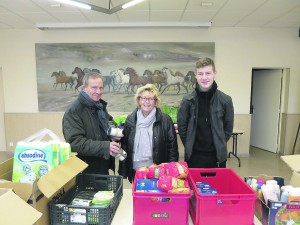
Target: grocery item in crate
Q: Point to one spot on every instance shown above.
(102, 198)
(176, 169)
(156, 171)
(168, 183)
(180, 191)
(35, 156)
(205, 189)
(83, 198)
(147, 185)
(141, 173)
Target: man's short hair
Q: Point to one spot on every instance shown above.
(205, 62)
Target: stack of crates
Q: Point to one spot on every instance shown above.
(233, 204)
(61, 211)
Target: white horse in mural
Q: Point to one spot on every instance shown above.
(173, 80)
(121, 79)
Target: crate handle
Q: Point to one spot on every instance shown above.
(208, 174)
(227, 202)
(100, 178)
(161, 199)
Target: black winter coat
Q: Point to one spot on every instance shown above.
(81, 128)
(165, 147)
(221, 116)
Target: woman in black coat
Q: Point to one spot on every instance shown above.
(149, 134)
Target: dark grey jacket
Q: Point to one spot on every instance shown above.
(165, 147)
(221, 115)
(81, 128)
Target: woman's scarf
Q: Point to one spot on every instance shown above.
(144, 136)
(100, 111)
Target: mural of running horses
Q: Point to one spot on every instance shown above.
(62, 78)
(135, 79)
(172, 80)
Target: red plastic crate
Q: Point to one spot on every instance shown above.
(160, 208)
(234, 203)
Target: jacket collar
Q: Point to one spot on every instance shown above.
(85, 102)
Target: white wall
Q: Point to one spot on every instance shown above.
(2, 127)
(237, 51)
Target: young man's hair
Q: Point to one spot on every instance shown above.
(205, 62)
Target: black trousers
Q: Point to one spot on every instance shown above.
(205, 160)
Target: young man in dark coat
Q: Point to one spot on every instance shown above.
(205, 120)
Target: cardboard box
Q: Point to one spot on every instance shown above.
(261, 210)
(276, 212)
(14, 210)
(293, 162)
(280, 213)
(38, 194)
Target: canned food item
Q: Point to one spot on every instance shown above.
(121, 155)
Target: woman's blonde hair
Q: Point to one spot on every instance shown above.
(151, 88)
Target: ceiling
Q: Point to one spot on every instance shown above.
(25, 14)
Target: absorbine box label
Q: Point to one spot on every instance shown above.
(34, 159)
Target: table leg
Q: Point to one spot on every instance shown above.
(234, 148)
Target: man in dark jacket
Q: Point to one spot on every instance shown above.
(205, 120)
(85, 126)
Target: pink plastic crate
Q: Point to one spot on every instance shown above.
(160, 208)
(234, 203)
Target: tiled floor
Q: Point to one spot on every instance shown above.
(259, 162)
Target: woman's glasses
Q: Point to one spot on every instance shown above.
(144, 99)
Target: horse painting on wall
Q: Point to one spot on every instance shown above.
(124, 67)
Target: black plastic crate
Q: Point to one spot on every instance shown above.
(61, 212)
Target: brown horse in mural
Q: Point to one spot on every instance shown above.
(135, 79)
(191, 80)
(62, 78)
(157, 77)
(80, 75)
